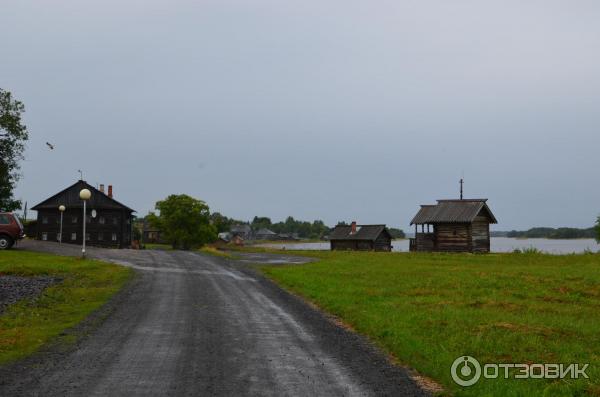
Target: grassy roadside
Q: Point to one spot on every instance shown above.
(429, 309)
(29, 324)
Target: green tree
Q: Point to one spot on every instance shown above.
(598, 229)
(13, 135)
(261, 222)
(184, 221)
(396, 233)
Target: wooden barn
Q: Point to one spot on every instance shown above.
(360, 238)
(461, 225)
(108, 221)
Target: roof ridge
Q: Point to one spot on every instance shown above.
(462, 200)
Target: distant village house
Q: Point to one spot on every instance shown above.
(361, 238)
(108, 221)
(242, 230)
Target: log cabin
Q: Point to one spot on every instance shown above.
(108, 221)
(461, 225)
(360, 238)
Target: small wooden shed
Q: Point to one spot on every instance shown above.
(461, 225)
(361, 238)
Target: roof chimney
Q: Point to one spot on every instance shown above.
(353, 227)
(110, 191)
(102, 188)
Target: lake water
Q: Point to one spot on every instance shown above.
(498, 244)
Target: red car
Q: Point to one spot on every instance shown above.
(11, 230)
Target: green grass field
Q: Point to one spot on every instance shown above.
(428, 309)
(29, 324)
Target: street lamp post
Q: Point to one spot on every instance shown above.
(85, 195)
(62, 210)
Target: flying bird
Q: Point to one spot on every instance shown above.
(50, 145)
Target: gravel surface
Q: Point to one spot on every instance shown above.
(14, 288)
(193, 324)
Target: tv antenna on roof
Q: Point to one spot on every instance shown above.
(462, 181)
(80, 175)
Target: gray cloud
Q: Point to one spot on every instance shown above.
(333, 110)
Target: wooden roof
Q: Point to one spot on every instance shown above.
(265, 231)
(363, 232)
(453, 211)
(69, 197)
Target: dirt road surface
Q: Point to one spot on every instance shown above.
(193, 324)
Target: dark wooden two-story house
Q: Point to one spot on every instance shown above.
(461, 225)
(360, 238)
(108, 221)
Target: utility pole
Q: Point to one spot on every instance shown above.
(461, 188)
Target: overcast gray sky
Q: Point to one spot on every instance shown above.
(333, 110)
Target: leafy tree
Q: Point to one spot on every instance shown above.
(396, 233)
(13, 135)
(261, 222)
(184, 221)
(598, 229)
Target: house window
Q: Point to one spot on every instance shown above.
(87, 237)
(114, 237)
(100, 236)
(116, 220)
(101, 220)
(45, 236)
(57, 236)
(73, 219)
(73, 236)
(45, 220)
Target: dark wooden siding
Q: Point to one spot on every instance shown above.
(101, 234)
(453, 237)
(425, 242)
(383, 242)
(481, 234)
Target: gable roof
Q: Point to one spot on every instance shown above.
(69, 197)
(363, 232)
(453, 211)
(265, 231)
(241, 228)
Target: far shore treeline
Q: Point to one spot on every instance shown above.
(549, 232)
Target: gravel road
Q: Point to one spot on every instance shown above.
(193, 324)
(15, 288)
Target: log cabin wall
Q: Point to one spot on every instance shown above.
(383, 243)
(481, 234)
(425, 242)
(343, 245)
(453, 237)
